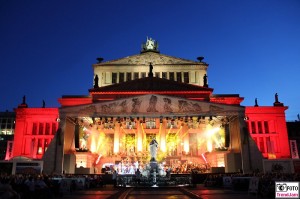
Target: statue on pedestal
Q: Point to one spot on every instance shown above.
(96, 81)
(153, 149)
(205, 81)
(276, 98)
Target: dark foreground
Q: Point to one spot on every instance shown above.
(200, 191)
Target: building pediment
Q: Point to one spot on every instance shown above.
(151, 105)
(154, 58)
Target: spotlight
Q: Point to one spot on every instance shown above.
(161, 119)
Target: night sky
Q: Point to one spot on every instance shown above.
(47, 48)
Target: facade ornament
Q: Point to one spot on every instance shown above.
(256, 104)
(150, 74)
(205, 81)
(96, 81)
(276, 98)
(277, 102)
(23, 105)
(150, 45)
(24, 100)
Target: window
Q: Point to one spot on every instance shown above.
(40, 149)
(179, 79)
(157, 74)
(128, 77)
(164, 75)
(121, 77)
(186, 77)
(143, 74)
(171, 76)
(253, 127)
(136, 75)
(260, 131)
(150, 124)
(47, 130)
(34, 128)
(41, 129)
(266, 124)
(114, 78)
(53, 128)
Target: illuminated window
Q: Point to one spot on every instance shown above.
(171, 124)
(128, 77)
(179, 79)
(164, 75)
(136, 75)
(150, 123)
(130, 125)
(186, 77)
(121, 77)
(114, 78)
(7, 126)
(171, 76)
(40, 148)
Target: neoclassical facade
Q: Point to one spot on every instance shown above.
(145, 96)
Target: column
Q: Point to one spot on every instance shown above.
(139, 136)
(117, 138)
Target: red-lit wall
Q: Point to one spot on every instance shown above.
(267, 127)
(34, 130)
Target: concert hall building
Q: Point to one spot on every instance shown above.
(151, 95)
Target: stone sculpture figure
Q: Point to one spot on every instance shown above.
(153, 149)
(96, 81)
(276, 98)
(205, 80)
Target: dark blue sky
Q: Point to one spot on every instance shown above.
(47, 48)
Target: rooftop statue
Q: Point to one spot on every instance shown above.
(150, 45)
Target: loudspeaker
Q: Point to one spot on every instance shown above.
(227, 135)
(76, 132)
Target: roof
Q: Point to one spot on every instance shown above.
(153, 57)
